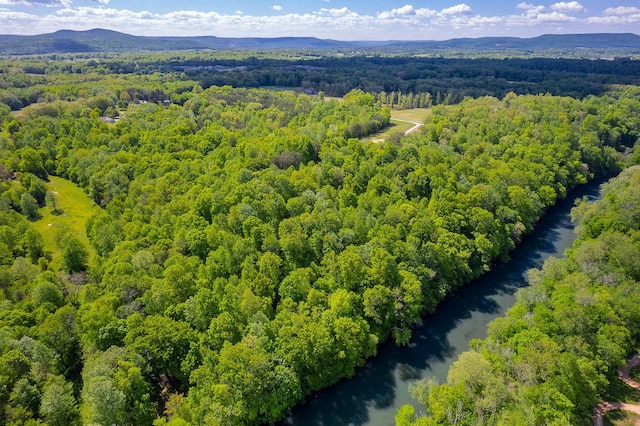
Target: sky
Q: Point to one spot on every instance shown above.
(327, 19)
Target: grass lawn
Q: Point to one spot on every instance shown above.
(76, 208)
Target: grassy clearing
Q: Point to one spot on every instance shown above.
(333, 98)
(394, 127)
(399, 122)
(76, 208)
(418, 115)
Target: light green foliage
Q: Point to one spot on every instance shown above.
(114, 389)
(551, 359)
(57, 406)
(249, 250)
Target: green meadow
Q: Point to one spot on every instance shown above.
(74, 207)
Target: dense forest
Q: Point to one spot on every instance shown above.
(249, 249)
(555, 354)
(427, 80)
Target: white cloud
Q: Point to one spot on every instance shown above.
(48, 3)
(459, 9)
(406, 10)
(276, 7)
(531, 9)
(406, 22)
(615, 16)
(554, 17)
(622, 10)
(335, 12)
(426, 13)
(572, 6)
(525, 6)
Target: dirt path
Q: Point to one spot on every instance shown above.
(415, 127)
(623, 373)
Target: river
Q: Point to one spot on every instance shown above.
(378, 389)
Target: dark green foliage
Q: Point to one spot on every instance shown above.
(29, 206)
(74, 254)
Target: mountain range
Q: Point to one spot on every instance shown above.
(101, 40)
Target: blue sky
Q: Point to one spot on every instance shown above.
(335, 19)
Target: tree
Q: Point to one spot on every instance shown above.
(104, 233)
(58, 407)
(34, 245)
(47, 292)
(29, 206)
(31, 162)
(114, 390)
(74, 254)
(51, 200)
(59, 332)
(162, 342)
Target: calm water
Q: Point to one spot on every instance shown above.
(379, 388)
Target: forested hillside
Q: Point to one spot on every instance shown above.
(555, 354)
(250, 249)
(107, 41)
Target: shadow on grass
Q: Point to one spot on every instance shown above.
(621, 418)
(620, 391)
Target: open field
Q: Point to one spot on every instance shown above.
(76, 208)
(414, 114)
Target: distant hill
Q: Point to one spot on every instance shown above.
(96, 40)
(544, 42)
(100, 40)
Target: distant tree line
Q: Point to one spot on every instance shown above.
(444, 80)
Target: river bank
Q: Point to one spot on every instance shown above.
(378, 389)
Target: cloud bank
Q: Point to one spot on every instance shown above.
(406, 22)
